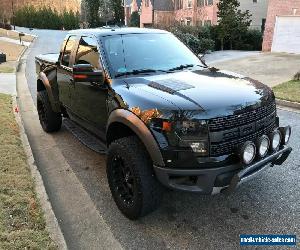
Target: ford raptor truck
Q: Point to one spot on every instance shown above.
(166, 118)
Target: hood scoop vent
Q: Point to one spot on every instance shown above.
(170, 86)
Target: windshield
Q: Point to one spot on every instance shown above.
(147, 53)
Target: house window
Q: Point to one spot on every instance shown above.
(210, 2)
(188, 21)
(254, 1)
(207, 22)
(263, 25)
(294, 12)
(147, 3)
(190, 3)
(200, 3)
(178, 4)
(199, 23)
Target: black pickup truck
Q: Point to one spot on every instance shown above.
(166, 117)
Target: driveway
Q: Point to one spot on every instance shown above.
(225, 55)
(269, 68)
(49, 41)
(82, 201)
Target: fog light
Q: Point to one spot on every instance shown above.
(263, 145)
(286, 134)
(275, 138)
(199, 147)
(247, 152)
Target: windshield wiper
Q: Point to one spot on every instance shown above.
(138, 71)
(185, 66)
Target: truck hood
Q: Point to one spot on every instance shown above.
(212, 93)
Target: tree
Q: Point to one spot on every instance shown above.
(102, 12)
(93, 7)
(118, 11)
(135, 19)
(232, 22)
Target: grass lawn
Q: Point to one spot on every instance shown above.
(22, 225)
(6, 69)
(15, 35)
(289, 91)
(12, 51)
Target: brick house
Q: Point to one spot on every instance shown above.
(282, 31)
(189, 12)
(196, 12)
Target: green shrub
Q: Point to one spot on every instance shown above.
(135, 19)
(253, 38)
(194, 38)
(46, 18)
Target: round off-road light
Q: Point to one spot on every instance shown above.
(275, 138)
(286, 134)
(263, 145)
(247, 152)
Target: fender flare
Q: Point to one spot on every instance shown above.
(141, 130)
(54, 104)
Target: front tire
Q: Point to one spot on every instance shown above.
(131, 179)
(50, 120)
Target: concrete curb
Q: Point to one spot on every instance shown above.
(52, 224)
(288, 104)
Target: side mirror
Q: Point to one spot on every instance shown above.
(87, 73)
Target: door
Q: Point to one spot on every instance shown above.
(90, 97)
(287, 35)
(65, 74)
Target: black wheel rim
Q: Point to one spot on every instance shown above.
(41, 112)
(123, 180)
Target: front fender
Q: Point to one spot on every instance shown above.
(141, 130)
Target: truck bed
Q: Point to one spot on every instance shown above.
(45, 60)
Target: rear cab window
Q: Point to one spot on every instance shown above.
(87, 52)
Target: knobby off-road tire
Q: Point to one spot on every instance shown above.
(50, 120)
(131, 178)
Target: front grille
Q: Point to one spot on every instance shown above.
(228, 146)
(232, 121)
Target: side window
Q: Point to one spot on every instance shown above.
(65, 61)
(88, 53)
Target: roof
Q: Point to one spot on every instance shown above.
(163, 5)
(116, 31)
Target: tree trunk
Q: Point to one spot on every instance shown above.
(222, 44)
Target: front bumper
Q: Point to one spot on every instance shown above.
(221, 179)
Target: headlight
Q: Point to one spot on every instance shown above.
(275, 138)
(184, 134)
(194, 134)
(286, 134)
(263, 145)
(247, 152)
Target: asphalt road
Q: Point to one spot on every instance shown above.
(269, 204)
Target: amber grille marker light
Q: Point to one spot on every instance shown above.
(167, 126)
